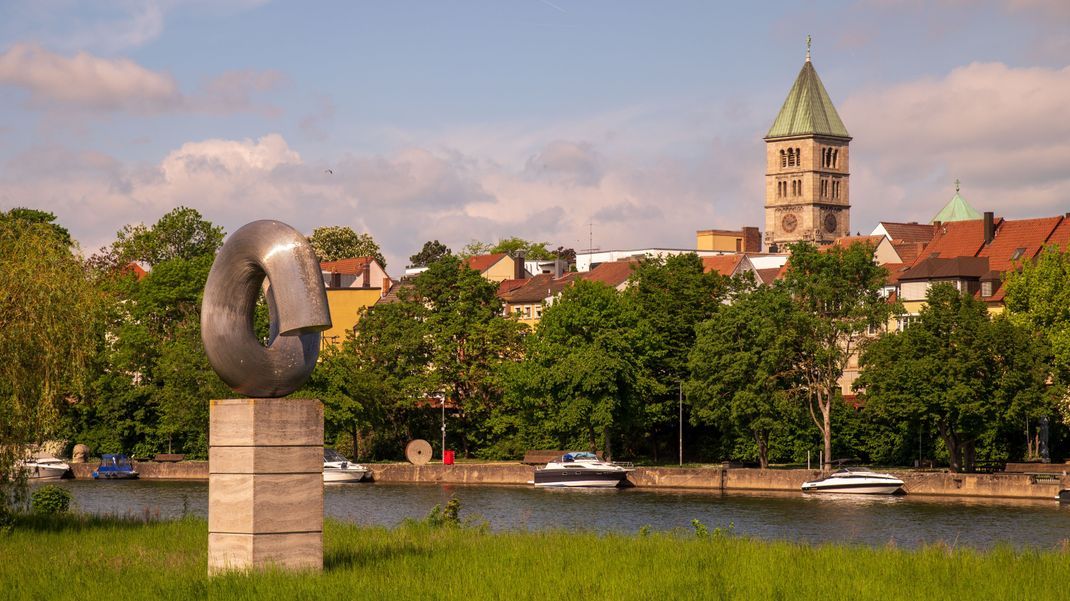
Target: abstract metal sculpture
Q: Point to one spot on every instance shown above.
(297, 304)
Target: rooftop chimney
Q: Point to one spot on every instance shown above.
(518, 265)
(990, 228)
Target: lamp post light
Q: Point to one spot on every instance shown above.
(681, 424)
(443, 428)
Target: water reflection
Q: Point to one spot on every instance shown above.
(906, 521)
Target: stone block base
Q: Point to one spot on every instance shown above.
(265, 484)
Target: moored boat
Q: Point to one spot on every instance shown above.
(114, 467)
(45, 467)
(855, 481)
(581, 469)
(1063, 496)
(336, 468)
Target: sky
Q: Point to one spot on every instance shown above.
(630, 123)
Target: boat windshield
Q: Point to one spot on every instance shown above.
(333, 455)
(580, 456)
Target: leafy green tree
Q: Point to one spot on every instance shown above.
(535, 251)
(153, 380)
(431, 252)
(49, 316)
(582, 382)
(958, 369)
(670, 297)
(180, 234)
(1038, 296)
(743, 366)
(42, 217)
(352, 393)
(336, 242)
(468, 338)
(837, 290)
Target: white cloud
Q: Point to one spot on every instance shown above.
(84, 82)
(999, 129)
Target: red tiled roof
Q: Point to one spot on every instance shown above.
(908, 251)
(770, 275)
(894, 271)
(482, 263)
(850, 240)
(952, 267)
(135, 269)
(538, 288)
(613, 273)
(723, 264)
(1028, 235)
(956, 239)
(507, 286)
(352, 266)
(909, 232)
(1061, 235)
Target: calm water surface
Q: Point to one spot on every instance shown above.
(908, 521)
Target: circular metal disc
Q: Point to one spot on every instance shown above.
(418, 452)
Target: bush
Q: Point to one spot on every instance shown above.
(50, 500)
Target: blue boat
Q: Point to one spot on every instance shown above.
(114, 467)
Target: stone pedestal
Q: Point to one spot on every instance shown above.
(265, 484)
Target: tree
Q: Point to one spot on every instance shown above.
(1038, 296)
(43, 217)
(582, 382)
(153, 381)
(670, 297)
(535, 251)
(837, 289)
(180, 234)
(431, 252)
(336, 242)
(743, 366)
(49, 330)
(468, 340)
(958, 369)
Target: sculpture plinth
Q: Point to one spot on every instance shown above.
(265, 484)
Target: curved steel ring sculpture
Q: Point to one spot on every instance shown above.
(297, 303)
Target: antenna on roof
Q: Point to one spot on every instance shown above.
(807, 47)
(590, 237)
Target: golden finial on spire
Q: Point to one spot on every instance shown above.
(807, 47)
(956, 185)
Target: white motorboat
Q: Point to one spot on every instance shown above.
(45, 467)
(336, 468)
(581, 469)
(856, 481)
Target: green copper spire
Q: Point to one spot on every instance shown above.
(956, 209)
(808, 110)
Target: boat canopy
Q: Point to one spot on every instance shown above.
(574, 455)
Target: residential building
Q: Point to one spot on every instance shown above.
(586, 261)
(352, 285)
(746, 240)
(498, 267)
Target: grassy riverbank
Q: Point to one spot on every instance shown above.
(87, 559)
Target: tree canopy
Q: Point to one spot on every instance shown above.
(957, 368)
(432, 251)
(838, 290)
(336, 242)
(49, 332)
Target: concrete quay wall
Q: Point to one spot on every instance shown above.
(1007, 485)
(152, 470)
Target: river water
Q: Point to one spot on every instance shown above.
(869, 520)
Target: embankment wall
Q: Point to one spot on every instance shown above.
(1008, 485)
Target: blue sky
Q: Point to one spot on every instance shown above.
(462, 120)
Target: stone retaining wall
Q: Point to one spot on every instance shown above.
(1020, 486)
(152, 470)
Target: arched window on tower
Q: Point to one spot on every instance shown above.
(798, 157)
(835, 159)
(783, 158)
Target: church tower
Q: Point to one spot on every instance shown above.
(806, 175)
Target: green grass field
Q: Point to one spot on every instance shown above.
(86, 559)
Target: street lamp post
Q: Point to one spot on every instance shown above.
(443, 429)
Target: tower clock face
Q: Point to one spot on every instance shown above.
(830, 223)
(789, 223)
